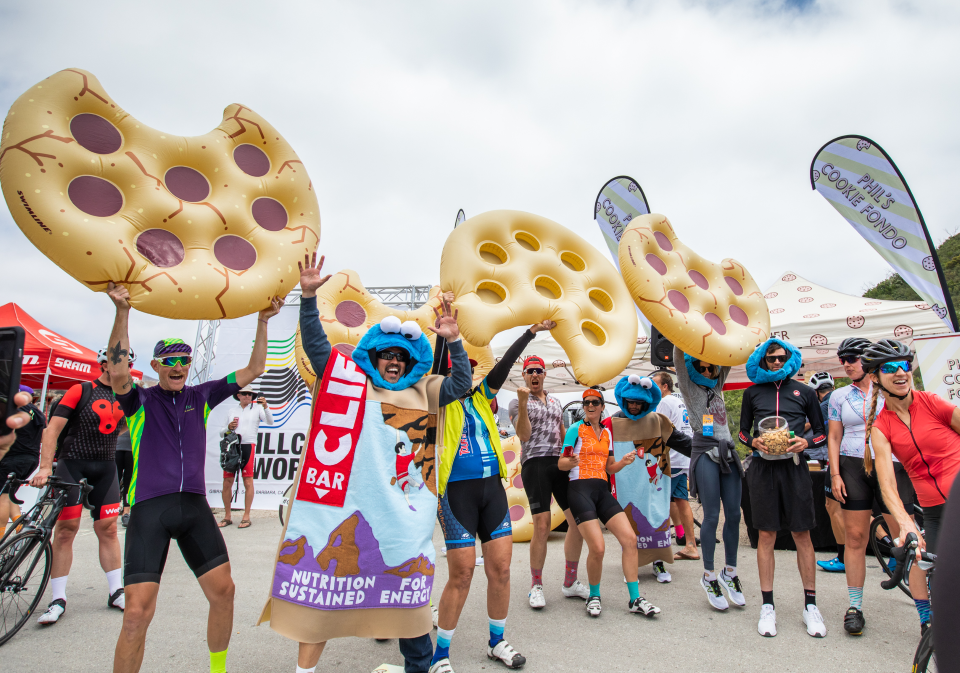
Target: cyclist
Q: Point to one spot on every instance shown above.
(168, 491)
(88, 416)
(824, 385)
(717, 475)
(893, 431)
(22, 459)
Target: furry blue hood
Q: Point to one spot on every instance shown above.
(757, 373)
(640, 388)
(388, 333)
(695, 374)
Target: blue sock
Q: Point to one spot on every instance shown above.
(496, 630)
(443, 645)
(856, 597)
(634, 589)
(595, 590)
(923, 609)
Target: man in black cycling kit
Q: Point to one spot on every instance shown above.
(167, 493)
(89, 416)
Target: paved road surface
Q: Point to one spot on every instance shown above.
(688, 635)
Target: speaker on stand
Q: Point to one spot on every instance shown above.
(661, 350)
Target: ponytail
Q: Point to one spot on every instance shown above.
(867, 455)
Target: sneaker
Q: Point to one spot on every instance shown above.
(714, 595)
(436, 615)
(814, 621)
(479, 561)
(593, 606)
(832, 566)
(442, 666)
(54, 611)
(662, 575)
(125, 519)
(537, 600)
(767, 626)
(576, 590)
(116, 599)
(643, 606)
(853, 622)
(733, 588)
(506, 654)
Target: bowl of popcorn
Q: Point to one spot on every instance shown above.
(775, 433)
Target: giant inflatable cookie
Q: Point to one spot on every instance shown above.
(521, 521)
(347, 311)
(509, 268)
(714, 312)
(206, 227)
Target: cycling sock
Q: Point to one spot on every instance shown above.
(496, 630)
(218, 662)
(306, 670)
(537, 574)
(767, 597)
(856, 597)
(923, 609)
(443, 645)
(570, 575)
(730, 571)
(709, 575)
(678, 530)
(634, 589)
(595, 590)
(115, 580)
(840, 550)
(58, 587)
(809, 598)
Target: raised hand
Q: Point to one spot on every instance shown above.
(446, 323)
(523, 394)
(119, 295)
(546, 325)
(275, 305)
(310, 278)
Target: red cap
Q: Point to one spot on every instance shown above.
(534, 359)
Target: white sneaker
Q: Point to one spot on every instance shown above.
(767, 625)
(537, 600)
(733, 588)
(662, 575)
(576, 590)
(54, 611)
(479, 561)
(814, 621)
(714, 595)
(506, 654)
(593, 606)
(442, 666)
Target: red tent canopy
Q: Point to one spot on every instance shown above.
(48, 355)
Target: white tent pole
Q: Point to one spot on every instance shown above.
(46, 379)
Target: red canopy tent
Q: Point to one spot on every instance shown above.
(50, 360)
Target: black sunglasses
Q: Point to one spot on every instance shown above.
(391, 355)
(246, 393)
(705, 368)
(534, 370)
(592, 403)
(849, 359)
(777, 358)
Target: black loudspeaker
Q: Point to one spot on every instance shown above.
(661, 350)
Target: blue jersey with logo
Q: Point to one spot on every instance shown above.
(475, 458)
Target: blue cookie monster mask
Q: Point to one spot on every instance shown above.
(641, 389)
(388, 333)
(757, 367)
(695, 374)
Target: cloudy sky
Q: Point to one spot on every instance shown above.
(405, 112)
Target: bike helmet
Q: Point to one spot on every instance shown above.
(102, 356)
(821, 379)
(852, 346)
(885, 350)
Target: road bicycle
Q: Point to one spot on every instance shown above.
(881, 546)
(924, 659)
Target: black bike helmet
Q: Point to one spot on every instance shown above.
(852, 347)
(885, 350)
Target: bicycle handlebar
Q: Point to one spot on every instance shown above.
(55, 482)
(905, 558)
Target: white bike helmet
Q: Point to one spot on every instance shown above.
(821, 380)
(102, 356)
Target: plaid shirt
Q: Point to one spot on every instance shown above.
(545, 427)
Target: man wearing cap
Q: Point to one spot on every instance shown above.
(537, 416)
(245, 420)
(167, 493)
(22, 458)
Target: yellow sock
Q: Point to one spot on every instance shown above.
(218, 662)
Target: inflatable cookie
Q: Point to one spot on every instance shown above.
(520, 518)
(206, 227)
(711, 311)
(509, 268)
(347, 311)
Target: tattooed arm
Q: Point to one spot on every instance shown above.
(118, 347)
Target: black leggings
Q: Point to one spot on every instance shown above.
(125, 472)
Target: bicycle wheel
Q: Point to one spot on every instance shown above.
(925, 660)
(24, 572)
(285, 502)
(880, 543)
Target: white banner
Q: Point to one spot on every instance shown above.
(939, 360)
(279, 446)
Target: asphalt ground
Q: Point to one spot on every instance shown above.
(688, 635)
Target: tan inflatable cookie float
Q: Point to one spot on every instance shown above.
(206, 227)
(520, 518)
(347, 311)
(509, 268)
(714, 312)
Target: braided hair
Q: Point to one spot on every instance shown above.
(867, 455)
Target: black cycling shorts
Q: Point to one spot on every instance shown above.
(105, 496)
(862, 489)
(781, 495)
(932, 517)
(542, 478)
(21, 465)
(591, 499)
(184, 517)
(474, 508)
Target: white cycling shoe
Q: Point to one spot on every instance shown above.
(814, 621)
(593, 606)
(661, 572)
(117, 599)
(767, 626)
(537, 601)
(442, 666)
(576, 590)
(504, 653)
(54, 611)
(643, 607)
(436, 615)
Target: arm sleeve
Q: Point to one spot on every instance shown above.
(680, 443)
(683, 378)
(314, 339)
(265, 415)
(459, 382)
(226, 426)
(498, 375)
(69, 401)
(128, 401)
(746, 417)
(816, 420)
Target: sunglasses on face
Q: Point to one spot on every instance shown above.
(391, 355)
(247, 394)
(705, 368)
(174, 360)
(534, 370)
(592, 403)
(892, 367)
(776, 358)
(849, 359)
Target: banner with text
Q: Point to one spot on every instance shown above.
(939, 360)
(861, 181)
